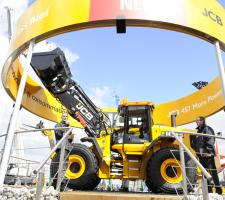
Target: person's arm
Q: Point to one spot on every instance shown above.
(209, 141)
(193, 141)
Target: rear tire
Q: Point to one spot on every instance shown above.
(164, 177)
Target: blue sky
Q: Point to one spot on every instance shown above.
(143, 64)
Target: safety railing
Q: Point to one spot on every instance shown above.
(38, 175)
(62, 163)
(36, 130)
(20, 171)
(206, 177)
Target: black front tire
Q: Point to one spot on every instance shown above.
(89, 179)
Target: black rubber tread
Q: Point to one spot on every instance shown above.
(191, 172)
(151, 187)
(157, 183)
(89, 180)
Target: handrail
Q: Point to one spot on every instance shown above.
(36, 130)
(200, 134)
(53, 150)
(207, 175)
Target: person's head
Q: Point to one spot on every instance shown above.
(64, 116)
(200, 121)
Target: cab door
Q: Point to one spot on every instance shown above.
(137, 129)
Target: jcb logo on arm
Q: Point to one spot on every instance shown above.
(212, 16)
(84, 111)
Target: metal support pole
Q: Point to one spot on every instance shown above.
(18, 143)
(12, 127)
(182, 159)
(52, 151)
(9, 22)
(40, 185)
(205, 193)
(207, 175)
(61, 164)
(28, 168)
(220, 66)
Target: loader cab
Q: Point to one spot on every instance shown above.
(135, 119)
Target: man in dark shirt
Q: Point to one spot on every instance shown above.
(64, 123)
(204, 147)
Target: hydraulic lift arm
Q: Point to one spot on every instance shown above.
(53, 70)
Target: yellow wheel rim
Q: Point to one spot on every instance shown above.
(170, 171)
(76, 167)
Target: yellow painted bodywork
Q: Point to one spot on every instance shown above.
(134, 156)
(104, 164)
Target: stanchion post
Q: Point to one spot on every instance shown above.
(182, 160)
(12, 126)
(61, 164)
(40, 184)
(205, 193)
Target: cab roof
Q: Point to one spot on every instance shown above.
(125, 102)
